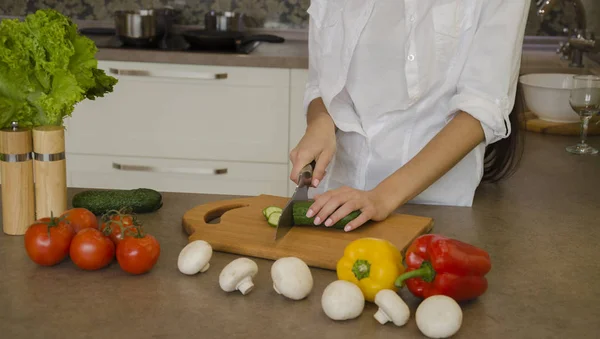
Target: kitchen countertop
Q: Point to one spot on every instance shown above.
(540, 227)
(289, 54)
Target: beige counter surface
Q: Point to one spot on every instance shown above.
(541, 228)
(290, 54)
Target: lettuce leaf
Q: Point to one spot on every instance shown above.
(46, 68)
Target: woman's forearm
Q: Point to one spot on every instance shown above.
(459, 137)
(317, 115)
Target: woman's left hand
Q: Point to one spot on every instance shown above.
(333, 205)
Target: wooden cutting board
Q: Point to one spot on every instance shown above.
(243, 230)
(534, 124)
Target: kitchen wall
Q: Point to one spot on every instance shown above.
(264, 13)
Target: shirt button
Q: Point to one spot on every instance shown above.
(412, 18)
(411, 57)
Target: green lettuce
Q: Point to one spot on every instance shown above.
(46, 68)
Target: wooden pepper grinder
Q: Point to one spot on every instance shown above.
(18, 202)
(50, 170)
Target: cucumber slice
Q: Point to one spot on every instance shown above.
(271, 209)
(273, 219)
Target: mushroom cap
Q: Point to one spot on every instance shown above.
(194, 257)
(291, 278)
(342, 300)
(439, 316)
(393, 306)
(235, 272)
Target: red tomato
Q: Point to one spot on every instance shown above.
(80, 218)
(91, 250)
(118, 222)
(137, 254)
(47, 241)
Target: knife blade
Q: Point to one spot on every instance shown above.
(286, 220)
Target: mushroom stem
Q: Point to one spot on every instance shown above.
(205, 268)
(245, 285)
(381, 316)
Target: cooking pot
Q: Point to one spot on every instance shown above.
(143, 27)
(224, 21)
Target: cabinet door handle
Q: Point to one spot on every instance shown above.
(141, 168)
(169, 74)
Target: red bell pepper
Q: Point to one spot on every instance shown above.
(439, 265)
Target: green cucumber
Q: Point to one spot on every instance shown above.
(273, 219)
(140, 200)
(271, 209)
(300, 208)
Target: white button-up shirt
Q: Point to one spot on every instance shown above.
(392, 73)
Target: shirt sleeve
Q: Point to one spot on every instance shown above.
(488, 82)
(312, 90)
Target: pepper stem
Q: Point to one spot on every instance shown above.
(425, 272)
(361, 269)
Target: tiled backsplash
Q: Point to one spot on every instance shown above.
(264, 13)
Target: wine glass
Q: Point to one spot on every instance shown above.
(585, 100)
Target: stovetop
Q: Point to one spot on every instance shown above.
(171, 42)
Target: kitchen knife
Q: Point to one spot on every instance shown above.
(286, 221)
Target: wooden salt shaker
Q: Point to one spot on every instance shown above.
(18, 202)
(50, 168)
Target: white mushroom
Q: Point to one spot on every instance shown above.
(291, 278)
(391, 308)
(342, 300)
(439, 316)
(194, 257)
(237, 275)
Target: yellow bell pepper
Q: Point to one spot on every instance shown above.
(372, 264)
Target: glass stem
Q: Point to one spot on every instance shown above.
(584, 129)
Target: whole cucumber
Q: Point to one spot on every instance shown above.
(139, 200)
(299, 209)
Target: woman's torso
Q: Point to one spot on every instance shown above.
(391, 70)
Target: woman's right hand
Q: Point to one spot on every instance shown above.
(319, 144)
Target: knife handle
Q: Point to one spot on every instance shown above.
(305, 176)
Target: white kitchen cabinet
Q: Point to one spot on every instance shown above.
(184, 117)
(187, 112)
(185, 121)
(177, 175)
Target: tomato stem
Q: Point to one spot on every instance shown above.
(140, 231)
(54, 221)
(108, 219)
(106, 231)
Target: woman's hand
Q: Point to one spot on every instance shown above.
(333, 205)
(318, 143)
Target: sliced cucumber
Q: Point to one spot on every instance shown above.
(273, 219)
(300, 208)
(271, 209)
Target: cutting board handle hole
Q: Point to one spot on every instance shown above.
(214, 216)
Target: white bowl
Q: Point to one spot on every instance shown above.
(547, 96)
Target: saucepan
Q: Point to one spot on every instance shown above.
(224, 21)
(225, 31)
(143, 27)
